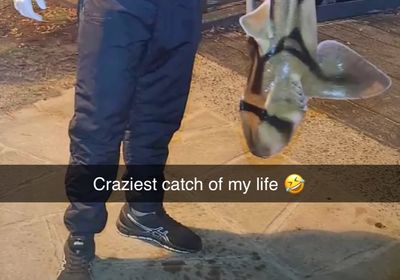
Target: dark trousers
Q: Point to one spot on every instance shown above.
(134, 70)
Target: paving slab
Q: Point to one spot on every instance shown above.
(38, 134)
(27, 251)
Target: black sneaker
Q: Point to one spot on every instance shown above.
(79, 252)
(158, 227)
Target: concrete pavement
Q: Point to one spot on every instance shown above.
(241, 240)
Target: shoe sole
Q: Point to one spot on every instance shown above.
(150, 239)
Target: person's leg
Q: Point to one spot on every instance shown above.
(113, 38)
(157, 111)
(162, 92)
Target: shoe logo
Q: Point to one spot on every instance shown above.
(159, 232)
(78, 243)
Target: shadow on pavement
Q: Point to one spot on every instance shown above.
(301, 254)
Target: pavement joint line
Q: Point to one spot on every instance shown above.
(193, 114)
(228, 162)
(14, 222)
(226, 123)
(2, 145)
(37, 108)
(23, 153)
(16, 211)
(219, 117)
(232, 224)
(6, 149)
(247, 152)
(294, 162)
(25, 222)
(230, 159)
(279, 220)
(13, 211)
(51, 231)
(196, 131)
(25, 184)
(356, 258)
(235, 157)
(53, 214)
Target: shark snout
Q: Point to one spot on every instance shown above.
(263, 139)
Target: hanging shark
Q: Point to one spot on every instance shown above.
(288, 67)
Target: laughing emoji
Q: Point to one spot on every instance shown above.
(294, 184)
